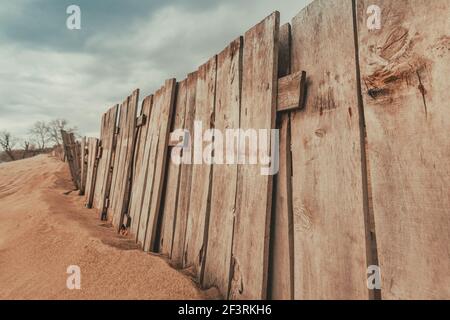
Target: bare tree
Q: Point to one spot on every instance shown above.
(55, 127)
(40, 134)
(8, 142)
(26, 148)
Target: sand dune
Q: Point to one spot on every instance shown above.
(43, 231)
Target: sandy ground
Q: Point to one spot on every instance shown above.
(43, 231)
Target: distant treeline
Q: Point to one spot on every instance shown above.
(42, 137)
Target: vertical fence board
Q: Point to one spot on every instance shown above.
(116, 174)
(281, 271)
(201, 173)
(146, 179)
(140, 166)
(328, 201)
(124, 159)
(83, 169)
(67, 152)
(73, 157)
(404, 74)
(163, 107)
(91, 171)
(76, 152)
(101, 163)
(173, 176)
(181, 217)
(133, 101)
(258, 110)
(105, 171)
(224, 181)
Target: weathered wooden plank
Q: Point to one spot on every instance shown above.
(117, 171)
(282, 237)
(71, 155)
(224, 182)
(404, 82)
(163, 107)
(197, 226)
(145, 181)
(140, 167)
(281, 265)
(91, 171)
(291, 92)
(124, 161)
(75, 149)
(328, 200)
(65, 142)
(100, 170)
(83, 157)
(173, 176)
(258, 111)
(185, 177)
(105, 166)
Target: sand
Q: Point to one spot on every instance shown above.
(43, 231)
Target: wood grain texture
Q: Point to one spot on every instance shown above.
(91, 171)
(124, 159)
(328, 201)
(163, 109)
(173, 176)
(258, 111)
(404, 74)
(181, 217)
(199, 207)
(105, 164)
(224, 181)
(140, 167)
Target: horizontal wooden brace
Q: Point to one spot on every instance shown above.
(176, 140)
(291, 92)
(141, 121)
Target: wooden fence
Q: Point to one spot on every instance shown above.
(364, 150)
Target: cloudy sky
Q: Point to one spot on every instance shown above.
(48, 71)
